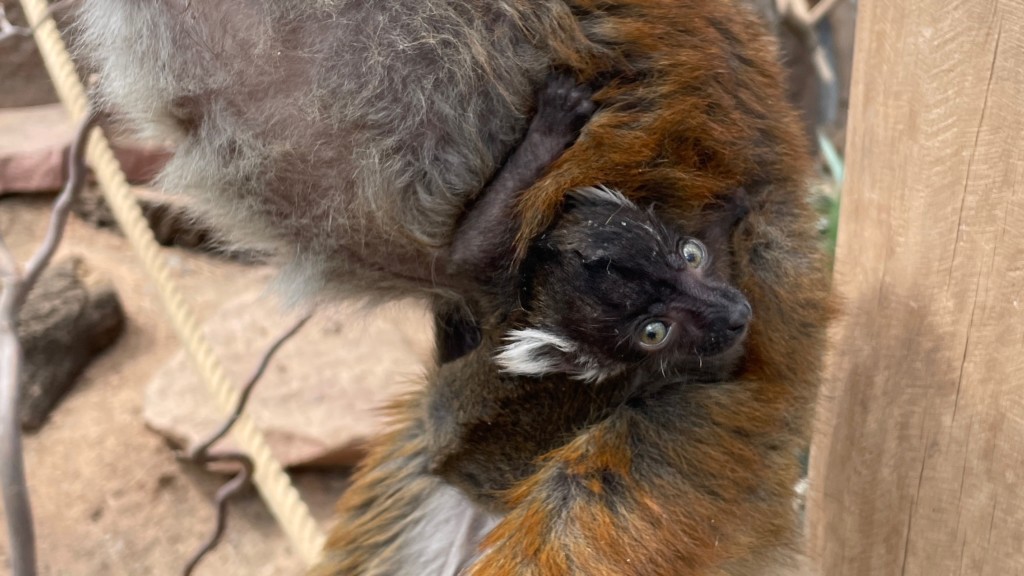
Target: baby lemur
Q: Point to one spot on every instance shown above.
(610, 300)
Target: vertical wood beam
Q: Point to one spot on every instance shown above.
(917, 465)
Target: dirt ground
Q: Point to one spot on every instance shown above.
(108, 496)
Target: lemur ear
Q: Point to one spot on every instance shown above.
(537, 352)
(534, 352)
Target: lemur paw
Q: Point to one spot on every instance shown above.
(563, 106)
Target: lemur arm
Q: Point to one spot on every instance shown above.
(482, 244)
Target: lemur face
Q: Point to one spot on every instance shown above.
(610, 285)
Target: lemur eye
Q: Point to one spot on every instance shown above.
(694, 253)
(653, 334)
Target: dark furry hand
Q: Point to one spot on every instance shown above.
(563, 108)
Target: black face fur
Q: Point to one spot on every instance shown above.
(610, 285)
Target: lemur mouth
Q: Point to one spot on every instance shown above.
(715, 334)
(722, 340)
(721, 343)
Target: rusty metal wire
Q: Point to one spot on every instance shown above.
(201, 453)
(16, 286)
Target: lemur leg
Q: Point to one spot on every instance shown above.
(645, 493)
(482, 245)
(397, 519)
(455, 333)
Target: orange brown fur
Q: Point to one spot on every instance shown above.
(695, 108)
(696, 481)
(387, 474)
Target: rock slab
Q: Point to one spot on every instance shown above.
(33, 154)
(319, 401)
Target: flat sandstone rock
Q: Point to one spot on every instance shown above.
(320, 399)
(33, 152)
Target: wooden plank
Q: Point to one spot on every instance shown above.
(917, 464)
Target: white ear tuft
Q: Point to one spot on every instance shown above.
(601, 194)
(533, 352)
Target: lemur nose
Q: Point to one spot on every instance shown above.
(739, 316)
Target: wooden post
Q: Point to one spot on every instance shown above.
(917, 465)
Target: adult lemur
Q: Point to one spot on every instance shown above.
(351, 136)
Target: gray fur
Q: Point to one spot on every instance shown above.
(343, 135)
(444, 536)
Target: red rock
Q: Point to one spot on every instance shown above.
(319, 401)
(33, 152)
